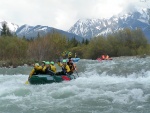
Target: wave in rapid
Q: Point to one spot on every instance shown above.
(118, 86)
(85, 94)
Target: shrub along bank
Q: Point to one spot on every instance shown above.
(16, 51)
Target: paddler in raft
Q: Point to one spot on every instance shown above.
(45, 68)
(105, 57)
(69, 55)
(71, 65)
(49, 68)
(65, 68)
(36, 70)
(53, 67)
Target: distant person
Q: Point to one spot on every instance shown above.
(106, 57)
(76, 55)
(103, 57)
(69, 54)
(63, 54)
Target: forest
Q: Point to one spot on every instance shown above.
(16, 51)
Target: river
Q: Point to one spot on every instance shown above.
(121, 85)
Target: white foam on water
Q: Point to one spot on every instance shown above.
(100, 88)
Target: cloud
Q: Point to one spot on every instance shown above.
(62, 14)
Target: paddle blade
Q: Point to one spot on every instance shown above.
(27, 82)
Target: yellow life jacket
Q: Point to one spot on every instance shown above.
(53, 68)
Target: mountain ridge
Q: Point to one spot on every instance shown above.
(29, 32)
(94, 27)
(88, 28)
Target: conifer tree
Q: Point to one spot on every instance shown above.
(86, 42)
(8, 32)
(38, 35)
(148, 12)
(5, 31)
(83, 41)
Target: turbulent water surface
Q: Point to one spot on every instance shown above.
(121, 85)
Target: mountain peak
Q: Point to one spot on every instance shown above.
(89, 28)
(12, 27)
(29, 32)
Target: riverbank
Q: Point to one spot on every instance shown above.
(14, 63)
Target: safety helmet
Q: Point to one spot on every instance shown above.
(36, 64)
(52, 62)
(64, 61)
(43, 61)
(47, 63)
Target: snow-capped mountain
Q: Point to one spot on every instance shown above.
(12, 27)
(28, 31)
(89, 28)
(33, 31)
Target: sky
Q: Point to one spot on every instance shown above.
(62, 14)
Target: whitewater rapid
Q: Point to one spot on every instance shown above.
(121, 85)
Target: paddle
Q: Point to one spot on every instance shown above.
(27, 82)
(77, 73)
